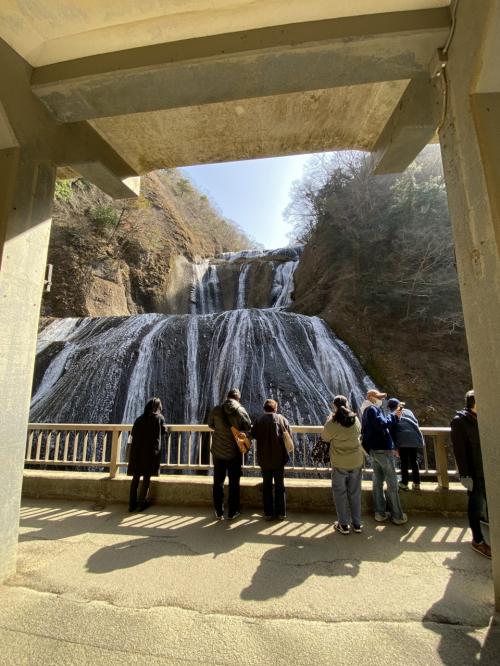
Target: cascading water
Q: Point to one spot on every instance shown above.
(104, 369)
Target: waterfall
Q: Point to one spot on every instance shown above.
(205, 290)
(104, 369)
(281, 291)
(242, 286)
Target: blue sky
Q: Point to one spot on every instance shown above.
(253, 193)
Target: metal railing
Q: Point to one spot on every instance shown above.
(100, 447)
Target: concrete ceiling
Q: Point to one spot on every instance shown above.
(178, 82)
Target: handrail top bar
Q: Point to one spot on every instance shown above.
(178, 427)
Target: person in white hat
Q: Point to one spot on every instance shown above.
(379, 445)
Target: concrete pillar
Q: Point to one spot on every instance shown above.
(468, 143)
(26, 193)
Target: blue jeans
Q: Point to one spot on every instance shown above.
(346, 486)
(385, 470)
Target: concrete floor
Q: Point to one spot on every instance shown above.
(171, 586)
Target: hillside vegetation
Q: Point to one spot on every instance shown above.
(114, 257)
(378, 266)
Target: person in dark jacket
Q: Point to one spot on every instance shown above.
(408, 440)
(225, 452)
(378, 444)
(272, 457)
(145, 450)
(467, 449)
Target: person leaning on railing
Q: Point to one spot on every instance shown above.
(272, 456)
(379, 445)
(226, 454)
(342, 429)
(144, 453)
(408, 440)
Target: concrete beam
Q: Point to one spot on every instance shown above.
(241, 65)
(26, 122)
(82, 149)
(410, 128)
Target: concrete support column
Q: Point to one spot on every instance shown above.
(26, 193)
(472, 180)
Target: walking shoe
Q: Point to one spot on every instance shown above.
(282, 517)
(482, 548)
(380, 517)
(144, 505)
(232, 516)
(268, 517)
(403, 486)
(416, 487)
(219, 516)
(132, 507)
(357, 528)
(400, 521)
(343, 529)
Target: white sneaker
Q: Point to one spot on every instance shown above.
(400, 521)
(380, 517)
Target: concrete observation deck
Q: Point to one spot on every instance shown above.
(172, 586)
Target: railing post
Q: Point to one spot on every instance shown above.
(113, 463)
(441, 454)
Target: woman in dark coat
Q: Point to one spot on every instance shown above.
(144, 457)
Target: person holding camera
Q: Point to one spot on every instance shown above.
(379, 445)
(408, 440)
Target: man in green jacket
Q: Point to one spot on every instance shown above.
(225, 452)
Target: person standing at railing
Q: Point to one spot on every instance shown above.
(343, 429)
(272, 457)
(408, 440)
(379, 445)
(467, 450)
(225, 452)
(145, 450)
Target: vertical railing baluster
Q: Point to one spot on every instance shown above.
(113, 463)
(441, 461)
(66, 443)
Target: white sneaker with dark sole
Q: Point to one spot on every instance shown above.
(343, 529)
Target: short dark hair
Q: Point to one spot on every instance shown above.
(270, 405)
(470, 400)
(234, 393)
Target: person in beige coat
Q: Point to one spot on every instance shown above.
(343, 429)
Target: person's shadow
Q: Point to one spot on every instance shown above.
(288, 566)
(463, 610)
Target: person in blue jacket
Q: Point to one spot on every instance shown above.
(408, 440)
(378, 443)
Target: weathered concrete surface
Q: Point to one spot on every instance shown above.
(302, 494)
(471, 145)
(172, 585)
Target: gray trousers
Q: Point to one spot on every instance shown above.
(346, 486)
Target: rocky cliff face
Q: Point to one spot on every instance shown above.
(350, 284)
(121, 258)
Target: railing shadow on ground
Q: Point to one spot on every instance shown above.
(159, 532)
(297, 549)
